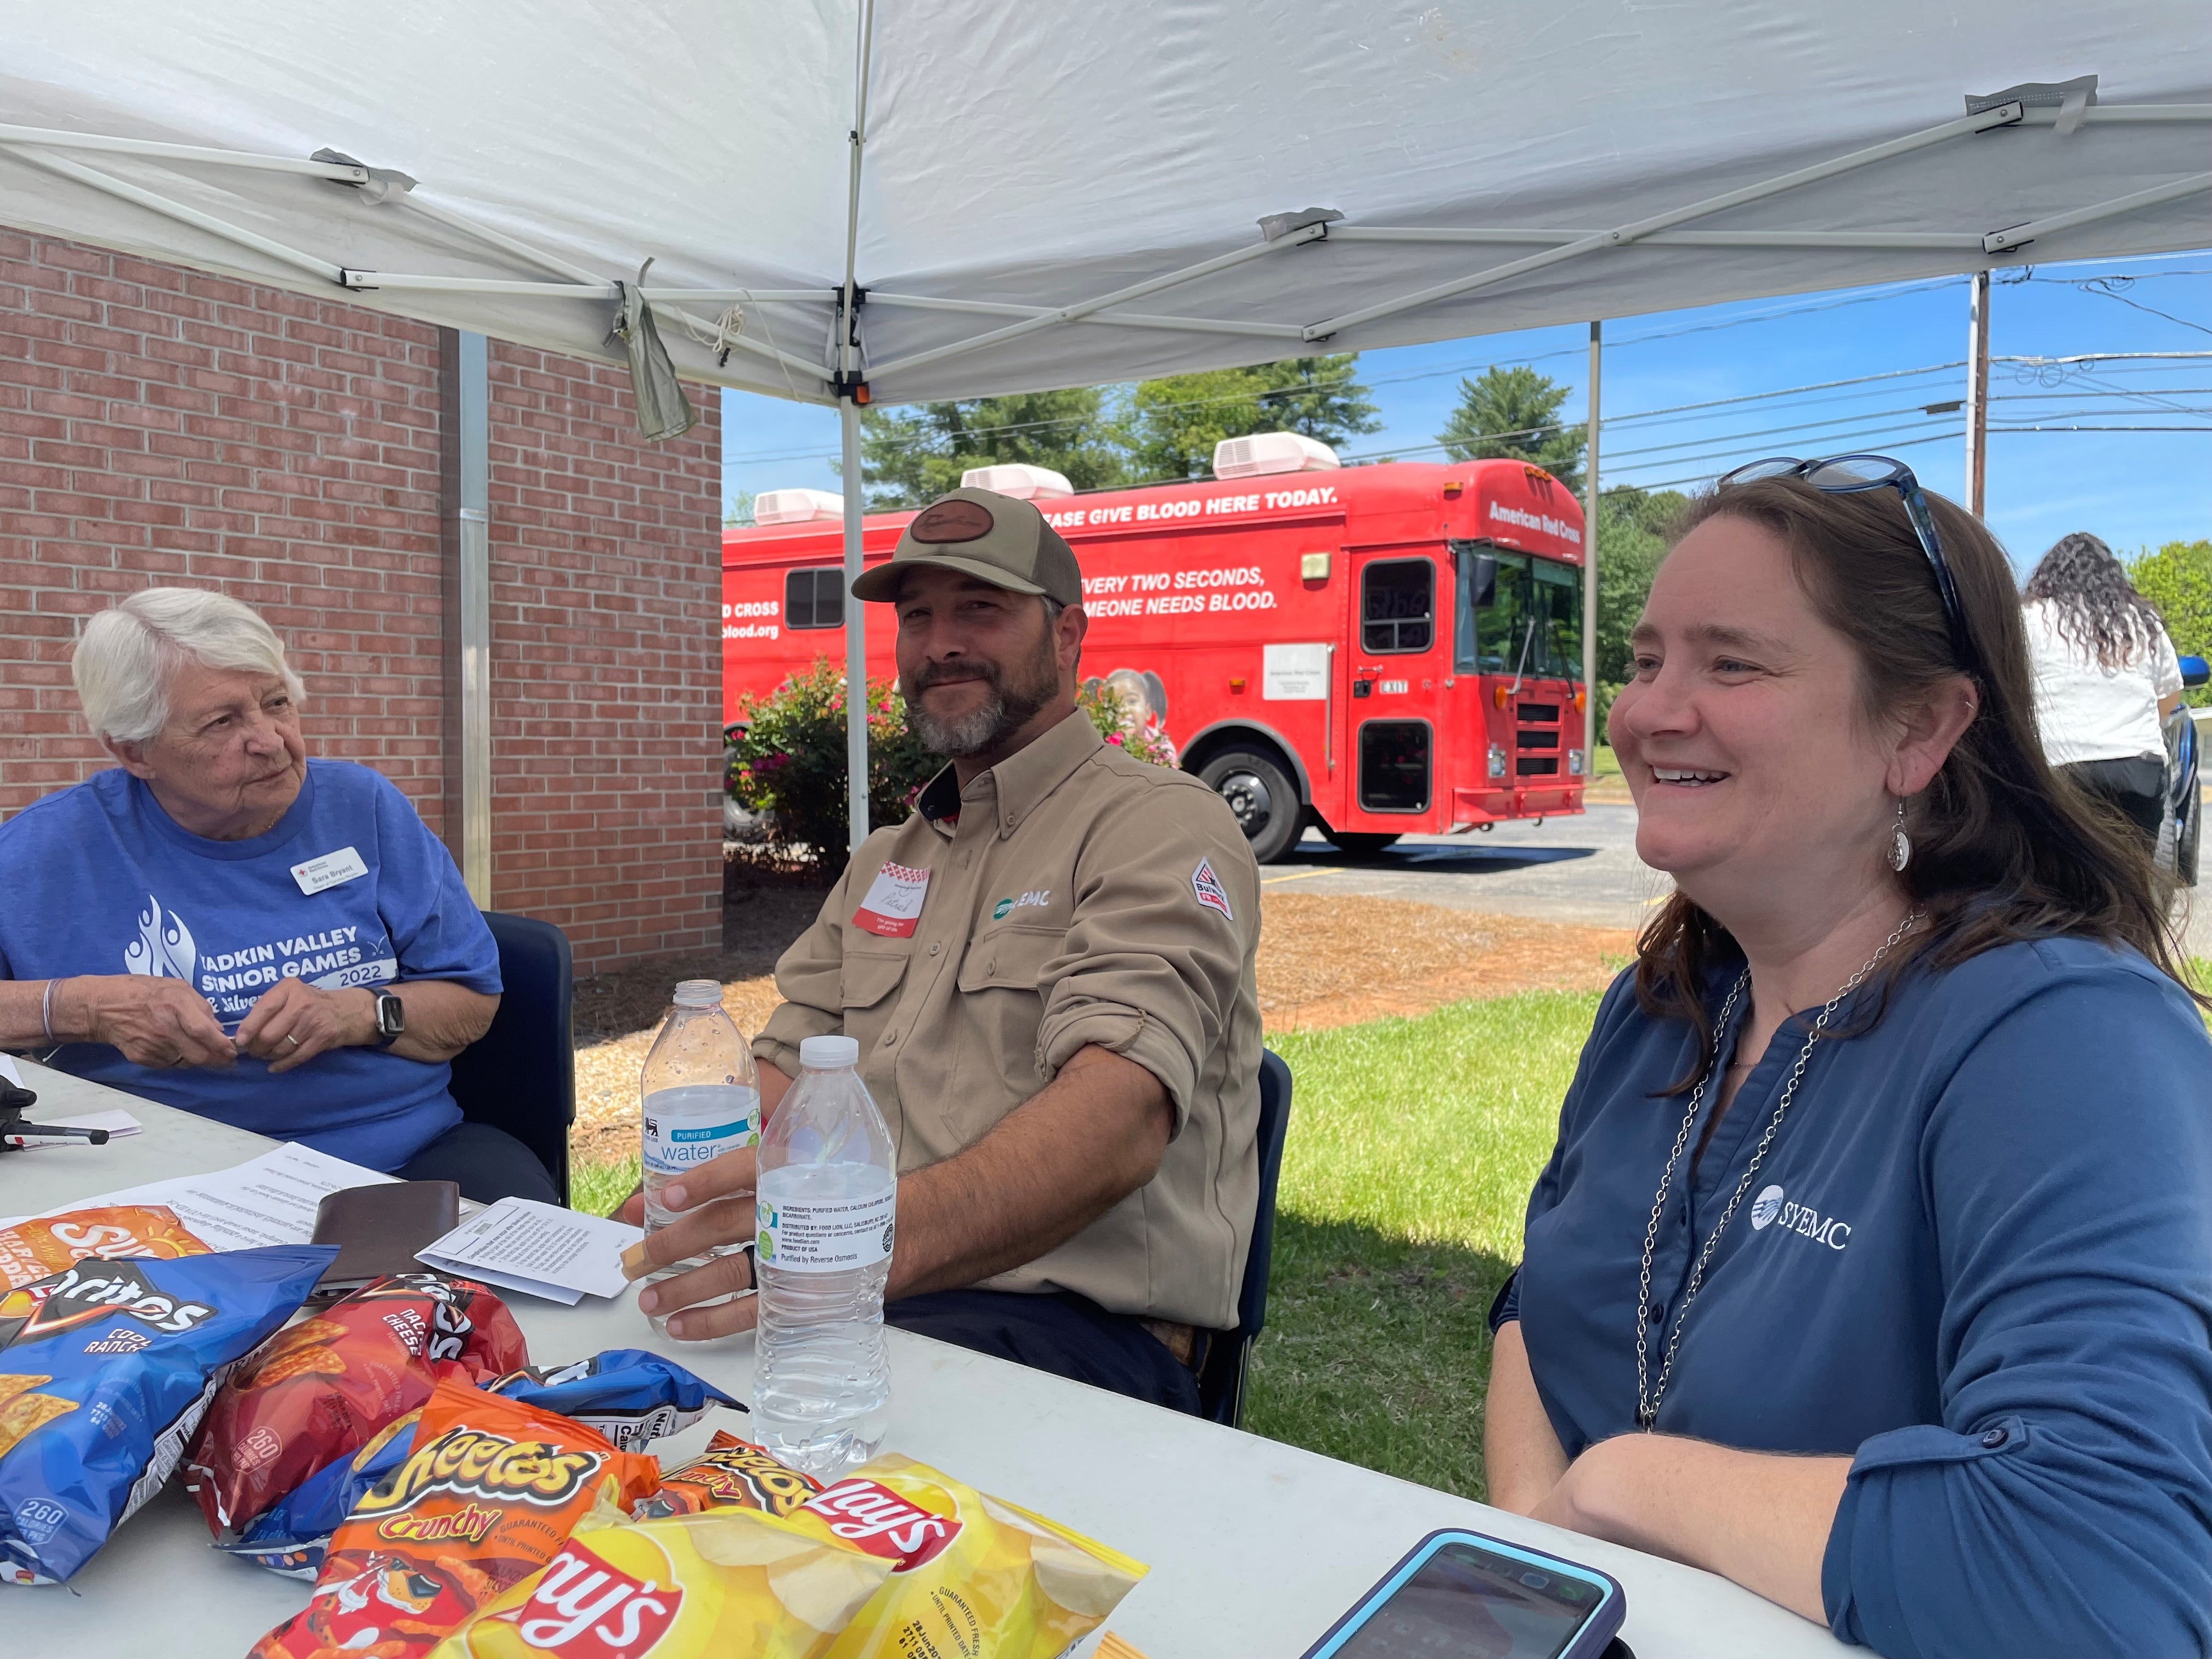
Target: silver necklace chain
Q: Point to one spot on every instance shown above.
(1648, 1397)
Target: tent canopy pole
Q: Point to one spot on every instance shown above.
(1590, 563)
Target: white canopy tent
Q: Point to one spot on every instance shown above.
(961, 198)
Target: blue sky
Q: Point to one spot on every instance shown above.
(2133, 488)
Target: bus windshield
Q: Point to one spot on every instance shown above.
(1532, 626)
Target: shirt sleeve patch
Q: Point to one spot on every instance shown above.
(1209, 890)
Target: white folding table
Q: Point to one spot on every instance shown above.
(1254, 1546)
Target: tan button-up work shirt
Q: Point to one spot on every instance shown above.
(1074, 896)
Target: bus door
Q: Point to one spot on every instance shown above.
(1397, 740)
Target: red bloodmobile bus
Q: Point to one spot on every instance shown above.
(1377, 651)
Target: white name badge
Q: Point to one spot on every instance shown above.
(332, 870)
(893, 904)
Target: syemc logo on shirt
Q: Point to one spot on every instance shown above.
(1773, 1206)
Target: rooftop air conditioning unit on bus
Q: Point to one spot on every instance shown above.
(796, 505)
(1024, 483)
(1271, 451)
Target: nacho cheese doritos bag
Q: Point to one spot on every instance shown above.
(105, 1369)
(488, 1496)
(35, 1249)
(314, 1393)
(726, 1584)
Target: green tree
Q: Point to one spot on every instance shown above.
(1513, 414)
(2177, 580)
(1172, 424)
(912, 456)
(738, 511)
(1633, 527)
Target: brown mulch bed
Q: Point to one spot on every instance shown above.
(1324, 961)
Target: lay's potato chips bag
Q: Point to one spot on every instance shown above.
(971, 1575)
(35, 1249)
(726, 1583)
(488, 1496)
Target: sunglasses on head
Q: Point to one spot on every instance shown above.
(1845, 475)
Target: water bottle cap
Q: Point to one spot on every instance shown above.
(699, 994)
(825, 1053)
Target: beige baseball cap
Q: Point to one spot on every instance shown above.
(983, 534)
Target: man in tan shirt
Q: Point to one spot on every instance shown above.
(1048, 968)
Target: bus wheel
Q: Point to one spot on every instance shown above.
(1361, 843)
(1265, 801)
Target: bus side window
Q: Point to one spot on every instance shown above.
(1397, 606)
(814, 598)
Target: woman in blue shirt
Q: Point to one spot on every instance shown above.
(1872, 1268)
(227, 927)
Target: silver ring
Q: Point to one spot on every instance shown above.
(289, 1038)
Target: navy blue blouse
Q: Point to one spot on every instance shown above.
(1977, 1260)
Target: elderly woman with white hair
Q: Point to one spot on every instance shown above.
(222, 924)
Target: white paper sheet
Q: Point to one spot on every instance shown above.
(521, 1244)
(269, 1199)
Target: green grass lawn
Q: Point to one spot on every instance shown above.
(1413, 1145)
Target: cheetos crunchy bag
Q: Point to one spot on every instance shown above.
(105, 1369)
(726, 1583)
(730, 1473)
(315, 1392)
(629, 1396)
(35, 1249)
(969, 1574)
(488, 1496)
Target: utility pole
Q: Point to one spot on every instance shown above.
(1589, 563)
(1978, 390)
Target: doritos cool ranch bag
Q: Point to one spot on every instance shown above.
(488, 1496)
(105, 1369)
(315, 1393)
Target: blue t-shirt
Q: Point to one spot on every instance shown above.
(1976, 1260)
(99, 879)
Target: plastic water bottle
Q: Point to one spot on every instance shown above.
(700, 1099)
(829, 1192)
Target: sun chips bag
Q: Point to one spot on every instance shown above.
(488, 1496)
(970, 1574)
(105, 1369)
(36, 1249)
(726, 1584)
(314, 1393)
(629, 1396)
(730, 1473)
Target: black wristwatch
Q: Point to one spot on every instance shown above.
(390, 1018)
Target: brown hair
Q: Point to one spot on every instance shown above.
(2003, 848)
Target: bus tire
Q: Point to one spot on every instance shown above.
(1262, 798)
(1362, 843)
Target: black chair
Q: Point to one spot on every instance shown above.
(521, 1075)
(1221, 1378)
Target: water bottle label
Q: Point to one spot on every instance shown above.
(829, 1238)
(669, 1149)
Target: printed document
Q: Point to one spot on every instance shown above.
(521, 1244)
(269, 1199)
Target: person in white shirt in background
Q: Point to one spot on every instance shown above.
(2106, 677)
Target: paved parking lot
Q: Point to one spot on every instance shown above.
(1578, 869)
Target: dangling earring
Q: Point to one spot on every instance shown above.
(1900, 845)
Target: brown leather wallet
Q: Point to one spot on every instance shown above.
(1181, 1341)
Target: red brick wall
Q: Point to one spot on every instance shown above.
(161, 426)
(607, 660)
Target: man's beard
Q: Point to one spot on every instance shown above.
(1013, 703)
